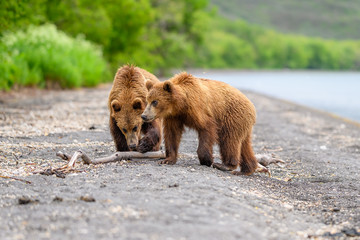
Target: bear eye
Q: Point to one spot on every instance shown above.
(137, 105)
(135, 129)
(124, 130)
(116, 108)
(154, 103)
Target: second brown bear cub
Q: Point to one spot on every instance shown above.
(218, 112)
(127, 100)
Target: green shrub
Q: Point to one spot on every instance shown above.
(43, 55)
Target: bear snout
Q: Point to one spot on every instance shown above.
(132, 147)
(144, 117)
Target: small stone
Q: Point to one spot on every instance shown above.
(350, 232)
(58, 199)
(26, 200)
(333, 235)
(173, 185)
(87, 198)
(335, 209)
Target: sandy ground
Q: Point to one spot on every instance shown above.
(315, 194)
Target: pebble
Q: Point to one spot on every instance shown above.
(57, 199)
(26, 200)
(87, 198)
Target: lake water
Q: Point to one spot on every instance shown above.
(335, 92)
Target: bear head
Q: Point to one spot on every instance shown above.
(161, 101)
(127, 115)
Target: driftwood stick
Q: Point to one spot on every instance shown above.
(112, 158)
(125, 155)
(69, 167)
(63, 155)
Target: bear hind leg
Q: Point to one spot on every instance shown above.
(248, 162)
(230, 154)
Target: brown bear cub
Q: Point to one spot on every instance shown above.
(127, 100)
(218, 112)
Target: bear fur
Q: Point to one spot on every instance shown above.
(127, 100)
(218, 112)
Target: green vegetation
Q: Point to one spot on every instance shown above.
(43, 56)
(237, 44)
(154, 34)
(74, 43)
(330, 19)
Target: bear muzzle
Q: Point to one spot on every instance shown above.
(145, 118)
(132, 147)
(132, 141)
(148, 115)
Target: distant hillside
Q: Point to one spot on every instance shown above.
(337, 19)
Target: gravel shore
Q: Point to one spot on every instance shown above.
(315, 194)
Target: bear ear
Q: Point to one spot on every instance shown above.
(168, 86)
(137, 104)
(115, 105)
(149, 85)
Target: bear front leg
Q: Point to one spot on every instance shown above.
(119, 138)
(205, 148)
(152, 139)
(173, 130)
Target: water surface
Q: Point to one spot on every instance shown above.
(335, 92)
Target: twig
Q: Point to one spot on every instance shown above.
(63, 155)
(112, 158)
(278, 149)
(69, 167)
(267, 159)
(14, 178)
(16, 158)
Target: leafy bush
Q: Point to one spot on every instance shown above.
(43, 55)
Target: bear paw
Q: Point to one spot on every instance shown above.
(221, 167)
(168, 161)
(145, 145)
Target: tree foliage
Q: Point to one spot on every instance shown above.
(159, 35)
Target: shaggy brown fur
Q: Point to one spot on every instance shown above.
(127, 100)
(218, 112)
